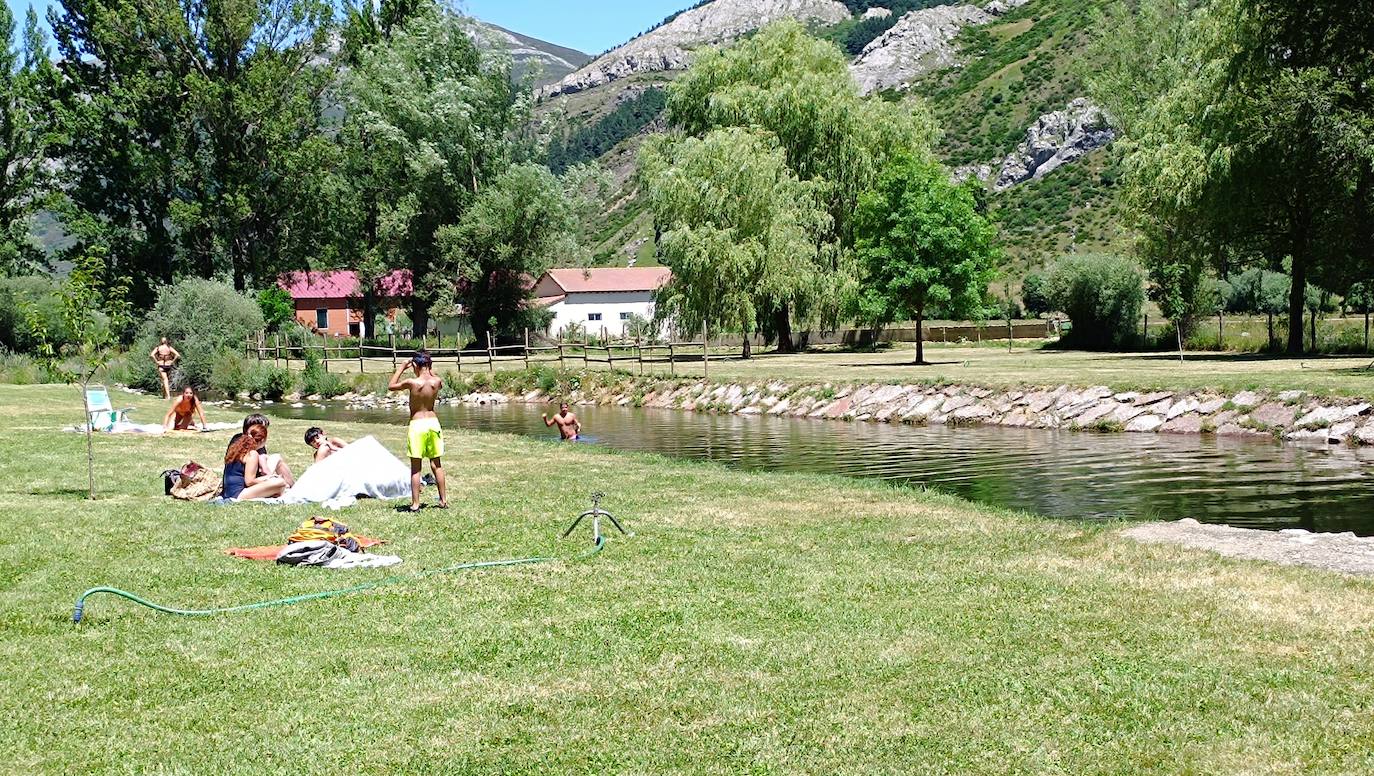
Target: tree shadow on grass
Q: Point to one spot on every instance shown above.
(905, 362)
(80, 493)
(1238, 358)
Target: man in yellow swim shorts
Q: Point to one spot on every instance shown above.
(424, 438)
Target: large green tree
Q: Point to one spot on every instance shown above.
(432, 118)
(515, 228)
(25, 75)
(740, 232)
(923, 244)
(798, 88)
(1249, 134)
(190, 133)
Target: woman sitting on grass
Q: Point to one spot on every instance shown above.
(244, 478)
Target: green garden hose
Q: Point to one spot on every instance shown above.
(600, 542)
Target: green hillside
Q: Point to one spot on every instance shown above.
(1028, 62)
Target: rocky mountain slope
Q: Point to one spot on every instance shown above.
(553, 61)
(670, 46)
(1004, 79)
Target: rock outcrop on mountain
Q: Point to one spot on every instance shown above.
(999, 7)
(1056, 138)
(920, 42)
(554, 62)
(670, 47)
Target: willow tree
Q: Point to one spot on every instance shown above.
(798, 89)
(1247, 125)
(737, 227)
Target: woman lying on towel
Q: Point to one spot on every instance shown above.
(244, 476)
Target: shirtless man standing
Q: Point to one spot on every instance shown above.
(165, 357)
(568, 425)
(425, 439)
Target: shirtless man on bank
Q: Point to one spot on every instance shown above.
(165, 357)
(424, 438)
(568, 425)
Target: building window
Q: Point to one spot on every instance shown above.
(624, 316)
(593, 316)
(322, 318)
(354, 329)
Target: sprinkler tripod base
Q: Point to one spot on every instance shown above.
(596, 513)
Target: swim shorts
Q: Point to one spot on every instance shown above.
(425, 439)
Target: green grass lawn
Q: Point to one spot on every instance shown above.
(765, 623)
(994, 366)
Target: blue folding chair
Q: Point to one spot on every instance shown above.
(103, 415)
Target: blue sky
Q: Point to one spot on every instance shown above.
(591, 25)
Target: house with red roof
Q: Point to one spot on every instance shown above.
(332, 302)
(601, 297)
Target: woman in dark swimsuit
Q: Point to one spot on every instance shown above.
(243, 478)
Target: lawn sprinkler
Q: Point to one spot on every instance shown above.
(596, 513)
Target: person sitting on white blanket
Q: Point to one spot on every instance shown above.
(324, 445)
(363, 468)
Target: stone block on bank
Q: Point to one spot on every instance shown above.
(1145, 423)
(1190, 423)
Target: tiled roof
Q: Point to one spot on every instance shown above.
(343, 284)
(604, 279)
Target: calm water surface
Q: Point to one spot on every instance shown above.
(1258, 484)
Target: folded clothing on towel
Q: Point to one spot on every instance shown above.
(328, 555)
(271, 551)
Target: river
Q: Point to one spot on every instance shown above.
(1066, 474)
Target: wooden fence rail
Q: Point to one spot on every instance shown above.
(626, 354)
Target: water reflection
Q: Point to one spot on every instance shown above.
(1259, 484)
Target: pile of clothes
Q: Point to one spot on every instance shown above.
(323, 542)
(320, 541)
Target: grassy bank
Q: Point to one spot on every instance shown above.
(994, 367)
(756, 622)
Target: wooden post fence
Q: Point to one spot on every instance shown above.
(705, 351)
(527, 348)
(324, 351)
(391, 337)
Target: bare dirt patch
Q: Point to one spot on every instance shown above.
(1345, 553)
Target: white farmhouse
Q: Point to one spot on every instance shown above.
(600, 298)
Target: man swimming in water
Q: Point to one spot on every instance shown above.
(424, 439)
(165, 357)
(568, 425)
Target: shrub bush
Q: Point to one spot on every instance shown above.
(269, 382)
(19, 369)
(17, 297)
(1102, 295)
(316, 381)
(230, 374)
(204, 319)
